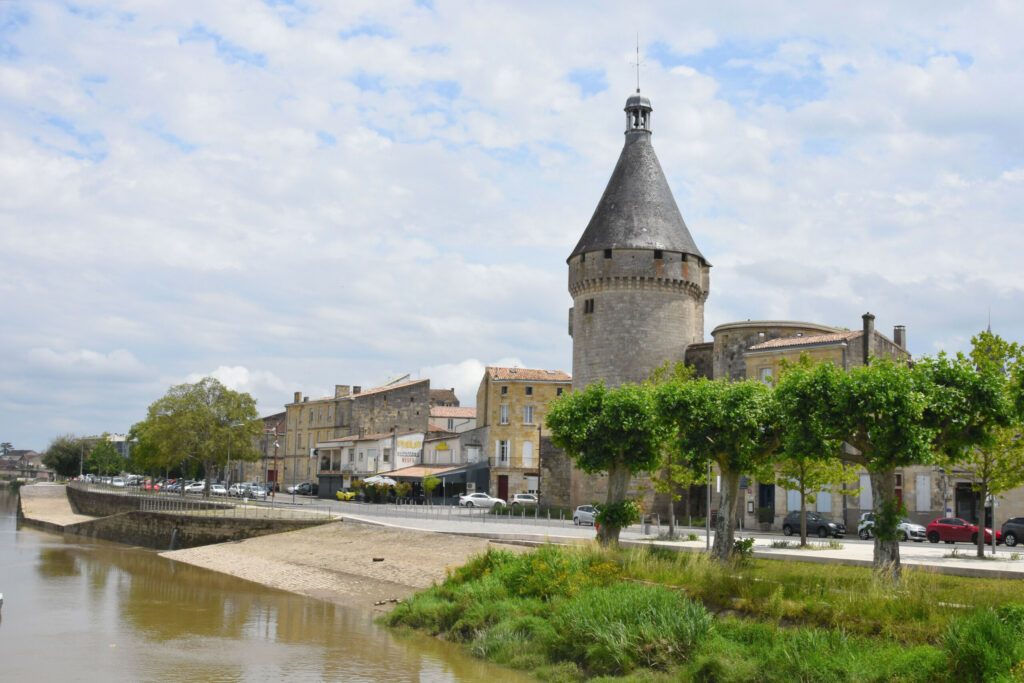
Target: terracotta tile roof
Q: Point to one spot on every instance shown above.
(451, 411)
(809, 340)
(527, 375)
(436, 428)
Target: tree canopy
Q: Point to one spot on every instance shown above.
(613, 431)
(202, 422)
(732, 424)
(104, 459)
(65, 455)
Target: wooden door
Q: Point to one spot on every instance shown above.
(503, 486)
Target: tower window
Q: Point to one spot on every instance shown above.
(588, 306)
(583, 258)
(607, 253)
(658, 255)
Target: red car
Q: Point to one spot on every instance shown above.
(954, 530)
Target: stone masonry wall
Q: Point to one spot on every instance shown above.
(101, 504)
(159, 529)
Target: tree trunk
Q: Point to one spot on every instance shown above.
(725, 526)
(887, 545)
(983, 490)
(618, 482)
(803, 518)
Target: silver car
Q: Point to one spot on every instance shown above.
(480, 500)
(584, 514)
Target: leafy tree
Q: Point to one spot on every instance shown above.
(6, 447)
(430, 482)
(808, 458)
(672, 477)
(65, 455)
(731, 424)
(200, 424)
(977, 421)
(881, 411)
(609, 430)
(104, 459)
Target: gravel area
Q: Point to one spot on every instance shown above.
(337, 562)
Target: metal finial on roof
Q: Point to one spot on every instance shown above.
(637, 63)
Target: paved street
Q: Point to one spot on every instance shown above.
(454, 520)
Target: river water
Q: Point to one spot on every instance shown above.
(92, 611)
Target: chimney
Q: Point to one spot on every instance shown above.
(305, 399)
(297, 397)
(342, 390)
(868, 339)
(899, 335)
(357, 389)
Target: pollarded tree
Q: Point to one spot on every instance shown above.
(732, 424)
(808, 457)
(972, 406)
(614, 431)
(201, 422)
(881, 410)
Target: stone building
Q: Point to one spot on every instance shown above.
(511, 405)
(452, 418)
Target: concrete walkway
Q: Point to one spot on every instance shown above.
(47, 504)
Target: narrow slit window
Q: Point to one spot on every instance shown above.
(607, 253)
(658, 255)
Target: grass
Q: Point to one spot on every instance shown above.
(574, 614)
(795, 545)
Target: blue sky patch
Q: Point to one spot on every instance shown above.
(156, 128)
(589, 81)
(369, 30)
(326, 139)
(368, 82)
(88, 145)
(229, 52)
(744, 74)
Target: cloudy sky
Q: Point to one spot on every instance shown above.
(291, 194)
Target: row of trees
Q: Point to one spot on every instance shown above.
(193, 428)
(816, 426)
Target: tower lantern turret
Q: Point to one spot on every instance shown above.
(638, 114)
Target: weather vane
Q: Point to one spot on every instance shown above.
(638, 62)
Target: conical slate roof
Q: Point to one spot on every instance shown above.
(637, 209)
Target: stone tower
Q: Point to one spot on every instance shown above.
(638, 286)
(637, 280)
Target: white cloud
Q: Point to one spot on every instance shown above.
(405, 198)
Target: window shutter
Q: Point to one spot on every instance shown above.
(865, 492)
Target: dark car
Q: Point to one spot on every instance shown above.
(954, 529)
(1013, 531)
(816, 524)
(307, 488)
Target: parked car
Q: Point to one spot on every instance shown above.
(255, 491)
(480, 500)
(816, 524)
(218, 489)
(306, 488)
(585, 514)
(1013, 531)
(524, 499)
(954, 530)
(118, 482)
(908, 530)
(195, 487)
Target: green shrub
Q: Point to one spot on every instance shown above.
(520, 642)
(615, 629)
(480, 565)
(986, 645)
(427, 611)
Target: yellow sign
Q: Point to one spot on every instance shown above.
(442, 446)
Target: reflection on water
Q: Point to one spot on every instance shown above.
(79, 610)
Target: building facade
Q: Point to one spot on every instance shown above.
(511, 405)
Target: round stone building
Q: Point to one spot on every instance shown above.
(637, 279)
(638, 284)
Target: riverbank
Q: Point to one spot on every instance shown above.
(47, 505)
(348, 563)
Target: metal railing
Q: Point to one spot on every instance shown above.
(154, 501)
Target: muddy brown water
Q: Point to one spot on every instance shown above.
(76, 610)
